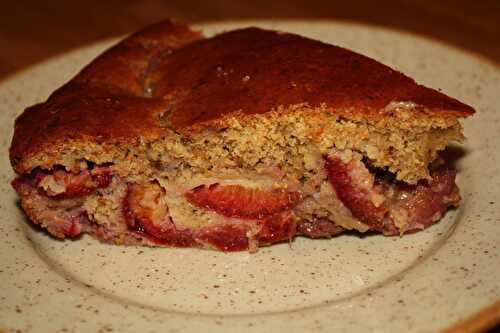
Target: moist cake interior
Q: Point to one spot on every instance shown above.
(232, 197)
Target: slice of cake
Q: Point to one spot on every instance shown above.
(232, 142)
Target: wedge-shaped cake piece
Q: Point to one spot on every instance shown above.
(232, 142)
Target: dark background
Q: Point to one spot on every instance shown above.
(34, 30)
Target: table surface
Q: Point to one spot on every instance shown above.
(32, 31)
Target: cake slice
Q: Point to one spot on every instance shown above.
(233, 142)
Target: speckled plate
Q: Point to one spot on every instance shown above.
(424, 282)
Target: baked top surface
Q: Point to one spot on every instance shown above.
(255, 70)
(168, 76)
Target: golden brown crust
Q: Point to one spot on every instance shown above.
(105, 102)
(165, 78)
(253, 71)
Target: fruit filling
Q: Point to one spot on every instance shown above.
(62, 184)
(343, 193)
(238, 201)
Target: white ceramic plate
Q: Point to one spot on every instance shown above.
(422, 282)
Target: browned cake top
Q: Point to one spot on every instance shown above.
(255, 70)
(168, 76)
